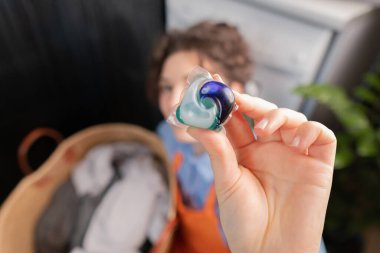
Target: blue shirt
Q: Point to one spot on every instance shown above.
(195, 176)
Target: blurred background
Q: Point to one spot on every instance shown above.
(69, 64)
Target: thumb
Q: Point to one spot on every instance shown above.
(222, 156)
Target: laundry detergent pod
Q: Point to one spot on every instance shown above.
(205, 103)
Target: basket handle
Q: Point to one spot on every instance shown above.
(29, 140)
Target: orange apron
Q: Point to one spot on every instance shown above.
(198, 230)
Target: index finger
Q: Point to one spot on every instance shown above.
(253, 107)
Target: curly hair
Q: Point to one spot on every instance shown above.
(219, 42)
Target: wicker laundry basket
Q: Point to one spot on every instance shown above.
(20, 211)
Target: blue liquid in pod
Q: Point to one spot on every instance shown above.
(222, 95)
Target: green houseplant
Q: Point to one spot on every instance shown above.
(355, 198)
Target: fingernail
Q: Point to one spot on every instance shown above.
(218, 77)
(262, 124)
(296, 141)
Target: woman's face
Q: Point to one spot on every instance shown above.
(172, 82)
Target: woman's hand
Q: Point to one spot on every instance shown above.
(273, 191)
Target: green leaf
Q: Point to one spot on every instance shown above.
(343, 159)
(374, 80)
(344, 154)
(367, 145)
(327, 94)
(348, 112)
(377, 135)
(353, 120)
(366, 95)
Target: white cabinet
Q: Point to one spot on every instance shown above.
(290, 40)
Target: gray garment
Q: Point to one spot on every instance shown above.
(86, 210)
(53, 229)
